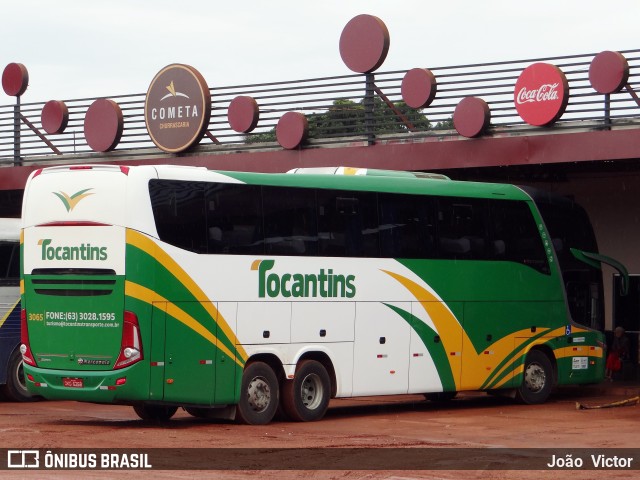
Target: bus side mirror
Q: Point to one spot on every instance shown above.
(595, 259)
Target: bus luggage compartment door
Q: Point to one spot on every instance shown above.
(183, 356)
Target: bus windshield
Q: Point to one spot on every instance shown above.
(569, 227)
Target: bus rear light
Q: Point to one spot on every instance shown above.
(124, 170)
(30, 377)
(25, 349)
(81, 167)
(131, 345)
(121, 381)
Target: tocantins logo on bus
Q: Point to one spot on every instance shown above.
(323, 283)
(177, 108)
(84, 251)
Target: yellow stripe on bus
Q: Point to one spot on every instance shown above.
(151, 248)
(447, 325)
(149, 296)
(6, 315)
(474, 369)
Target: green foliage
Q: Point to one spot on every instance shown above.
(347, 118)
(444, 124)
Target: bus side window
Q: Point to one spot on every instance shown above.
(462, 228)
(347, 223)
(9, 263)
(290, 226)
(406, 226)
(514, 230)
(178, 209)
(234, 219)
(14, 264)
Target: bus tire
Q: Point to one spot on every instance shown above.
(160, 413)
(306, 397)
(16, 386)
(259, 395)
(537, 379)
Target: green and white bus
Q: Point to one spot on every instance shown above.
(244, 294)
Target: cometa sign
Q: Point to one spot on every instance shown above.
(177, 108)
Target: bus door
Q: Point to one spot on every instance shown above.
(436, 354)
(183, 362)
(381, 363)
(486, 342)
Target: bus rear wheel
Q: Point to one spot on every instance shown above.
(259, 395)
(537, 380)
(16, 387)
(155, 412)
(306, 397)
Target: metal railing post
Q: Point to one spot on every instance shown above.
(17, 161)
(369, 106)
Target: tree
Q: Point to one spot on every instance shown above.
(347, 118)
(445, 124)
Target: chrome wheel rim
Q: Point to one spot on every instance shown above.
(311, 391)
(535, 377)
(259, 394)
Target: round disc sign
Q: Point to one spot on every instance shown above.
(177, 108)
(541, 94)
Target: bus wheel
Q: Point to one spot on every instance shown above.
(258, 395)
(16, 387)
(155, 412)
(306, 397)
(440, 397)
(537, 379)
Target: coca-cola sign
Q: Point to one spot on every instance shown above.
(541, 94)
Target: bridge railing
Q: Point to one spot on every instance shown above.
(336, 109)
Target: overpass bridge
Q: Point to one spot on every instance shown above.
(466, 121)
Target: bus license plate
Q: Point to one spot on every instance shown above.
(73, 382)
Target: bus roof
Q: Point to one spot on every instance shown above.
(410, 184)
(415, 183)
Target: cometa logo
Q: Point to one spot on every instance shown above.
(80, 252)
(177, 108)
(171, 113)
(325, 283)
(70, 201)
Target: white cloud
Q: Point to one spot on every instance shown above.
(98, 48)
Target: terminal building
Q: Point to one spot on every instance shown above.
(569, 125)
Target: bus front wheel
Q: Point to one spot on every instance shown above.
(16, 387)
(537, 380)
(258, 395)
(306, 397)
(160, 413)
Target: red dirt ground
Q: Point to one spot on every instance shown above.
(473, 420)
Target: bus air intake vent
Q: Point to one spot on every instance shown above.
(73, 282)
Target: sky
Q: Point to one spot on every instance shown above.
(81, 49)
